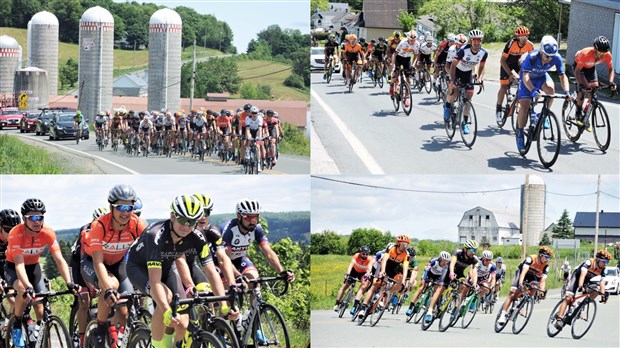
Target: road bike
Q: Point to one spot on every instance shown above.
(458, 120)
(377, 72)
(545, 129)
(378, 303)
(594, 119)
(330, 69)
(421, 304)
(396, 301)
(251, 163)
(564, 287)
(425, 81)
(356, 70)
(579, 314)
(441, 85)
(401, 93)
(115, 139)
(468, 307)
(447, 301)
(511, 106)
(520, 310)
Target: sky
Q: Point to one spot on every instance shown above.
(248, 17)
(71, 199)
(342, 208)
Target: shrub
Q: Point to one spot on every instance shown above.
(294, 81)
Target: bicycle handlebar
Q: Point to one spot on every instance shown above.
(272, 279)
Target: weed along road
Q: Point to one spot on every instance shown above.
(392, 331)
(361, 133)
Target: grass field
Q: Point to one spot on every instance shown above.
(17, 158)
(272, 74)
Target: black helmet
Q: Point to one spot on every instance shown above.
(364, 250)
(121, 193)
(33, 204)
(362, 39)
(412, 252)
(9, 217)
(247, 107)
(223, 111)
(381, 39)
(601, 44)
(269, 112)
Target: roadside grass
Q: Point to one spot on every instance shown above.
(272, 74)
(19, 158)
(294, 142)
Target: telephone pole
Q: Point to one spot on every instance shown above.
(526, 193)
(598, 196)
(191, 89)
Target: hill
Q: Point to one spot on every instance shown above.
(295, 225)
(270, 73)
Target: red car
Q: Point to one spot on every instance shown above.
(28, 123)
(9, 117)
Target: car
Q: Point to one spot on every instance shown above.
(28, 123)
(9, 117)
(317, 59)
(612, 280)
(61, 126)
(43, 121)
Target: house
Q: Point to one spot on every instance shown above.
(129, 85)
(482, 225)
(329, 19)
(427, 23)
(607, 15)
(380, 18)
(608, 226)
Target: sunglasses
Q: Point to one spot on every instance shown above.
(364, 254)
(123, 207)
(185, 221)
(35, 217)
(604, 261)
(547, 56)
(472, 250)
(251, 218)
(547, 257)
(207, 212)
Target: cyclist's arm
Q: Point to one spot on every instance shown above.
(405, 269)
(481, 71)
(158, 294)
(216, 282)
(20, 269)
(612, 74)
(543, 282)
(63, 268)
(350, 266)
(101, 271)
(528, 83)
(272, 257)
(452, 264)
(414, 278)
(504, 65)
(582, 277)
(493, 281)
(564, 82)
(580, 79)
(384, 260)
(524, 270)
(226, 265)
(453, 65)
(184, 273)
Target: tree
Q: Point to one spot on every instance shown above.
(564, 228)
(545, 240)
(5, 13)
(301, 64)
(370, 237)
(68, 13)
(215, 75)
(326, 242)
(318, 5)
(23, 10)
(69, 73)
(406, 20)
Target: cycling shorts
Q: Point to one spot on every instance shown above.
(503, 75)
(442, 57)
(425, 58)
(199, 129)
(243, 264)
(351, 57)
(430, 276)
(588, 73)
(405, 62)
(168, 127)
(139, 277)
(573, 284)
(464, 78)
(98, 125)
(529, 277)
(198, 275)
(224, 131)
(356, 274)
(253, 133)
(524, 92)
(159, 128)
(273, 132)
(34, 276)
(118, 270)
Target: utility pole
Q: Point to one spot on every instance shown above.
(598, 196)
(205, 42)
(191, 89)
(526, 193)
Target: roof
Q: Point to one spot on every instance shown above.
(165, 16)
(610, 4)
(428, 22)
(382, 13)
(8, 42)
(129, 80)
(588, 219)
(97, 14)
(44, 18)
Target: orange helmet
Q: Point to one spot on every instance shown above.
(403, 239)
(522, 31)
(603, 254)
(546, 250)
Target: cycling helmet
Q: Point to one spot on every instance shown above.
(499, 260)
(372, 41)
(205, 200)
(247, 107)
(331, 37)
(223, 111)
(411, 35)
(275, 114)
(269, 112)
(429, 39)
(137, 206)
(460, 39)
(427, 33)
(548, 45)
(78, 112)
(9, 217)
(566, 263)
(522, 31)
(187, 206)
(545, 250)
(601, 44)
(254, 110)
(603, 254)
(411, 251)
(34, 205)
(248, 206)
(403, 239)
(381, 39)
(471, 244)
(396, 34)
(364, 250)
(352, 37)
(451, 37)
(101, 113)
(362, 40)
(475, 34)
(121, 193)
(444, 255)
(99, 212)
(239, 109)
(216, 114)
(487, 255)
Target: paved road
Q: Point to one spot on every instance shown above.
(362, 134)
(120, 163)
(392, 331)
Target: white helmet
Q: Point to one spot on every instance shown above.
(444, 255)
(427, 33)
(487, 254)
(451, 37)
(429, 39)
(566, 263)
(476, 34)
(248, 206)
(548, 45)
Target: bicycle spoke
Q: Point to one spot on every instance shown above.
(548, 143)
(601, 127)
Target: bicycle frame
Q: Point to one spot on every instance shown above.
(255, 307)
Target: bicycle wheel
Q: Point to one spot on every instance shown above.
(140, 338)
(395, 98)
(472, 123)
(223, 332)
(572, 130)
(379, 308)
(522, 315)
(380, 77)
(601, 127)
(583, 319)
(497, 326)
(345, 303)
(8, 340)
(513, 113)
(56, 334)
(448, 316)
(552, 331)
(89, 335)
(428, 82)
(548, 143)
(438, 89)
(206, 340)
(330, 69)
(269, 328)
(468, 312)
(528, 137)
(407, 98)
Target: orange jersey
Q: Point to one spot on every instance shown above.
(393, 43)
(512, 52)
(586, 58)
(353, 49)
(113, 244)
(242, 116)
(396, 257)
(222, 121)
(360, 265)
(30, 248)
(594, 271)
(537, 267)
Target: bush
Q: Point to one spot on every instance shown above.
(294, 81)
(295, 141)
(255, 91)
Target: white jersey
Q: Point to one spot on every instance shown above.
(100, 119)
(451, 53)
(406, 50)
(424, 49)
(159, 122)
(145, 123)
(435, 268)
(169, 121)
(254, 124)
(468, 60)
(200, 121)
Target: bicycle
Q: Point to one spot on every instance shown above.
(456, 118)
(251, 158)
(545, 129)
(5, 314)
(578, 313)
(441, 85)
(330, 69)
(346, 299)
(520, 311)
(448, 300)
(511, 108)
(99, 140)
(73, 324)
(563, 290)
(377, 72)
(488, 302)
(378, 303)
(425, 81)
(355, 75)
(401, 93)
(115, 138)
(397, 300)
(469, 307)
(574, 126)
(421, 304)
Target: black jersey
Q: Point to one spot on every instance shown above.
(462, 262)
(214, 237)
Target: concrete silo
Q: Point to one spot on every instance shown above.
(43, 46)
(10, 57)
(533, 198)
(96, 61)
(165, 29)
(33, 83)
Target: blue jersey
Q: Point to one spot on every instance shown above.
(237, 242)
(533, 65)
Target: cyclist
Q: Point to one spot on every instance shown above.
(509, 62)
(169, 126)
(378, 54)
(402, 57)
(181, 128)
(390, 261)
(441, 54)
(145, 130)
(116, 126)
(581, 277)
(533, 269)
(486, 273)
(101, 125)
(354, 54)
(360, 269)
(241, 128)
(78, 121)
(332, 50)
(459, 41)
(254, 131)
(26, 243)
(83, 299)
(200, 129)
(239, 233)
(151, 262)
(500, 273)
(566, 270)
(432, 273)
(274, 131)
(584, 66)
(461, 74)
(411, 276)
(424, 56)
(224, 129)
(534, 77)
(9, 218)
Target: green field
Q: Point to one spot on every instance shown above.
(272, 74)
(19, 158)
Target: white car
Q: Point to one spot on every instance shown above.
(317, 59)
(612, 280)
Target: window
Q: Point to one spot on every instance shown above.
(471, 217)
(487, 217)
(473, 238)
(495, 239)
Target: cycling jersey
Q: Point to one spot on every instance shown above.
(78, 118)
(393, 43)
(351, 52)
(533, 65)
(242, 116)
(360, 265)
(114, 244)
(462, 262)
(537, 269)
(199, 121)
(222, 121)
(435, 268)
(484, 272)
(146, 124)
(330, 47)
(586, 58)
(500, 272)
(99, 120)
(395, 258)
(238, 243)
(512, 52)
(379, 50)
(591, 268)
(404, 49)
(168, 121)
(467, 60)
(254, 124)
(31, 248)
(451, 53)
(426, 50)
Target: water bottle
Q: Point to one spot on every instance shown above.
(244, 321)
(33, 330)
(534, 119)
(586, 108)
